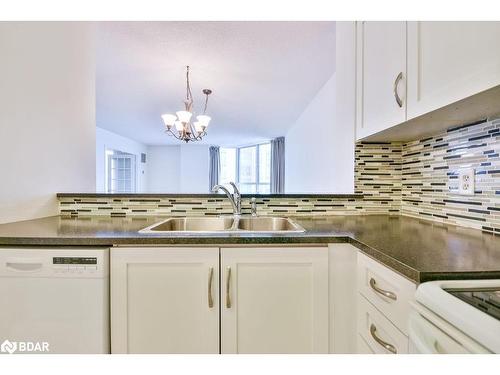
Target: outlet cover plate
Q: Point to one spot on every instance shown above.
(466, 181)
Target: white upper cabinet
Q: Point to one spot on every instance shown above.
(450, 61)
(165, 300)
(414, 79)
(380, 76)
(274, 300)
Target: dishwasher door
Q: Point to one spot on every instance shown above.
(54, 301)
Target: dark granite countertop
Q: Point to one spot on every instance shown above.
(418, 249)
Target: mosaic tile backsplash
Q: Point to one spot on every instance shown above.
(214, 206)
(423, 175)
(377, 174)
(417, 178)
(429, 171)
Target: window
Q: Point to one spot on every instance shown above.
(120, 172)
(227, 165)
(249, 167)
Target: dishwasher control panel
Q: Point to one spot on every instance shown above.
(58, 262)
(74, 260)
(74, 264)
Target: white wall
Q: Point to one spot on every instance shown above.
(47, 115)
(168, 169)
(164, 169)
(194, 169)
(319, 149)
(345, 102)
(178, 169)
(106, 139)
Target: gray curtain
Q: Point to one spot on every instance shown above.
(278, 165)
(214, 167)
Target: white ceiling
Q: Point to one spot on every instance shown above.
(263, 75)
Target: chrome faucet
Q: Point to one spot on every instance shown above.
(234, 198)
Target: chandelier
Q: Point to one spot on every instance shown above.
(180, 125)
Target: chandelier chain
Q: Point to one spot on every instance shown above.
(189, 95)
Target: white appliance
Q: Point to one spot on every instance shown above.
(456, 316)
(54, 300)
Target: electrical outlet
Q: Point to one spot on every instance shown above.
(466, 181)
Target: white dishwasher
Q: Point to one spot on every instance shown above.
(54, 300)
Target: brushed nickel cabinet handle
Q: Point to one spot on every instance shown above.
(396, 95)
(382, 343)
(383, 292)
(210, 279)
(228, 285)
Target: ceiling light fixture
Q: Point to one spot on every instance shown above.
(180, 125)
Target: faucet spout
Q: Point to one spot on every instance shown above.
(234, 199)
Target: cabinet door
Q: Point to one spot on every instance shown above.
(274, 300)
(165, 300)
(380, 76)
(450, 61)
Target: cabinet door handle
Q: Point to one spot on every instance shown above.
(382, 343)
(396, 84)
(228, 286)
(210, 279)
(383, 292)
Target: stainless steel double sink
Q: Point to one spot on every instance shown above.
(225, 224)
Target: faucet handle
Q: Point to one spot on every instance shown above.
(235, 188)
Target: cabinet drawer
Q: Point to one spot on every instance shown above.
(386, 290)
(378, 332)
(362, 347)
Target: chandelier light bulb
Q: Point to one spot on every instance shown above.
(169, 120)
(198, 127)
(184, 116)
(204, 120)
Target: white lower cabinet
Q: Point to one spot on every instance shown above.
(272, 300)
(378, 332)
(386, 290)
(165, 300)
(256, 300)
(383, 306)
(363, 347)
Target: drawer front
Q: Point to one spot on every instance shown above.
(378, 332)
(362, 347)
(386, 290)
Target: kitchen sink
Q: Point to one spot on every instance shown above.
(191, 224)
(224, 224)
(268, 224)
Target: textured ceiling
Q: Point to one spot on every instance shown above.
(263, 75)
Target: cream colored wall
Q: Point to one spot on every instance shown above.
(178, 169)
(319, 150)
(47, 115)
